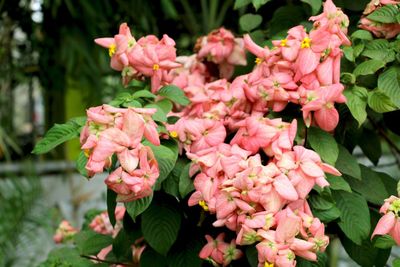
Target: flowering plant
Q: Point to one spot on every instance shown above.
(242, 170)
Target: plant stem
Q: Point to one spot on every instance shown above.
(213, 14)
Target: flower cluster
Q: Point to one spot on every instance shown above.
(379, 29)
(147, 57)
(64, 232)
(115, 131)
(250, 171)
(256, 184)
(390, 222)
(102, 225)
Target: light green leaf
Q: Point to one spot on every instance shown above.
(81, 164)
(259, 3)
(347, 163)
(143, 93)
(368, 67)
(174, 94)
(57, 135)
(362, 34)
(385, 14)
(389, 83)
(355, 217)
(159, 115)
(160, 226)
(380, 102)
(241, 3)
(357, 98)
(384, 241)
(348, 53)
(248, 22)
(324, 144)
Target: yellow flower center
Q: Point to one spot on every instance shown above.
(156, 67)
(267, 264)
(112, 49)
(258, 60)
(284, 42)
(329, 105)
(204, 205)
(86, 152)
(306, 43)
(173, 134)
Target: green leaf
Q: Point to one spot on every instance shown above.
(259, 3)
(371, 186)
(241, 3)
(362, 34)
(143, 94)
(314, 4)
(90, 243)
(385, 55)
(347, 163)
(365, 254)
(186, 253)
(354, 218)
(121, 246)
(132, 103)
(81, 164)
(137, 207)
(385, 14)
(285, 17)
(252, 256)
(380, 102)
(368, 67)
(347, 78)
(67, 257)
(389, 182)
(378, 44)
(338, 183)
(171, 184)
(185, 182)
(160, 226)
(174, 94)
(348, 53)
(357, 98)
(166, 155)
(249, 22)
(111, 205)
(396, 262)
(358, 49)
(389, 83)
(151, 258)
(324, 144)
(159, 115)
(328, 215)
(370, 144)
(384, 242)
(321, 202)
(57, 135)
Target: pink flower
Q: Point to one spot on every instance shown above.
(390, 222)
(64, 232)
(119, 47)
(325, 114)
(101, 223)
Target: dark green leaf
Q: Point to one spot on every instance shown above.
(354, 218)
(251, 255)
(241, 3)
(338, 183)
(185, 182)
(111, 204)
(324, 144)
(371, 186)
(388, 82)
(137, 207)
(151, 258)
(370, 144)
(160, 226)
(321, 202)
(171, 184)
(90, 243)
(347, 163)
(314, 4)
(327, 215)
